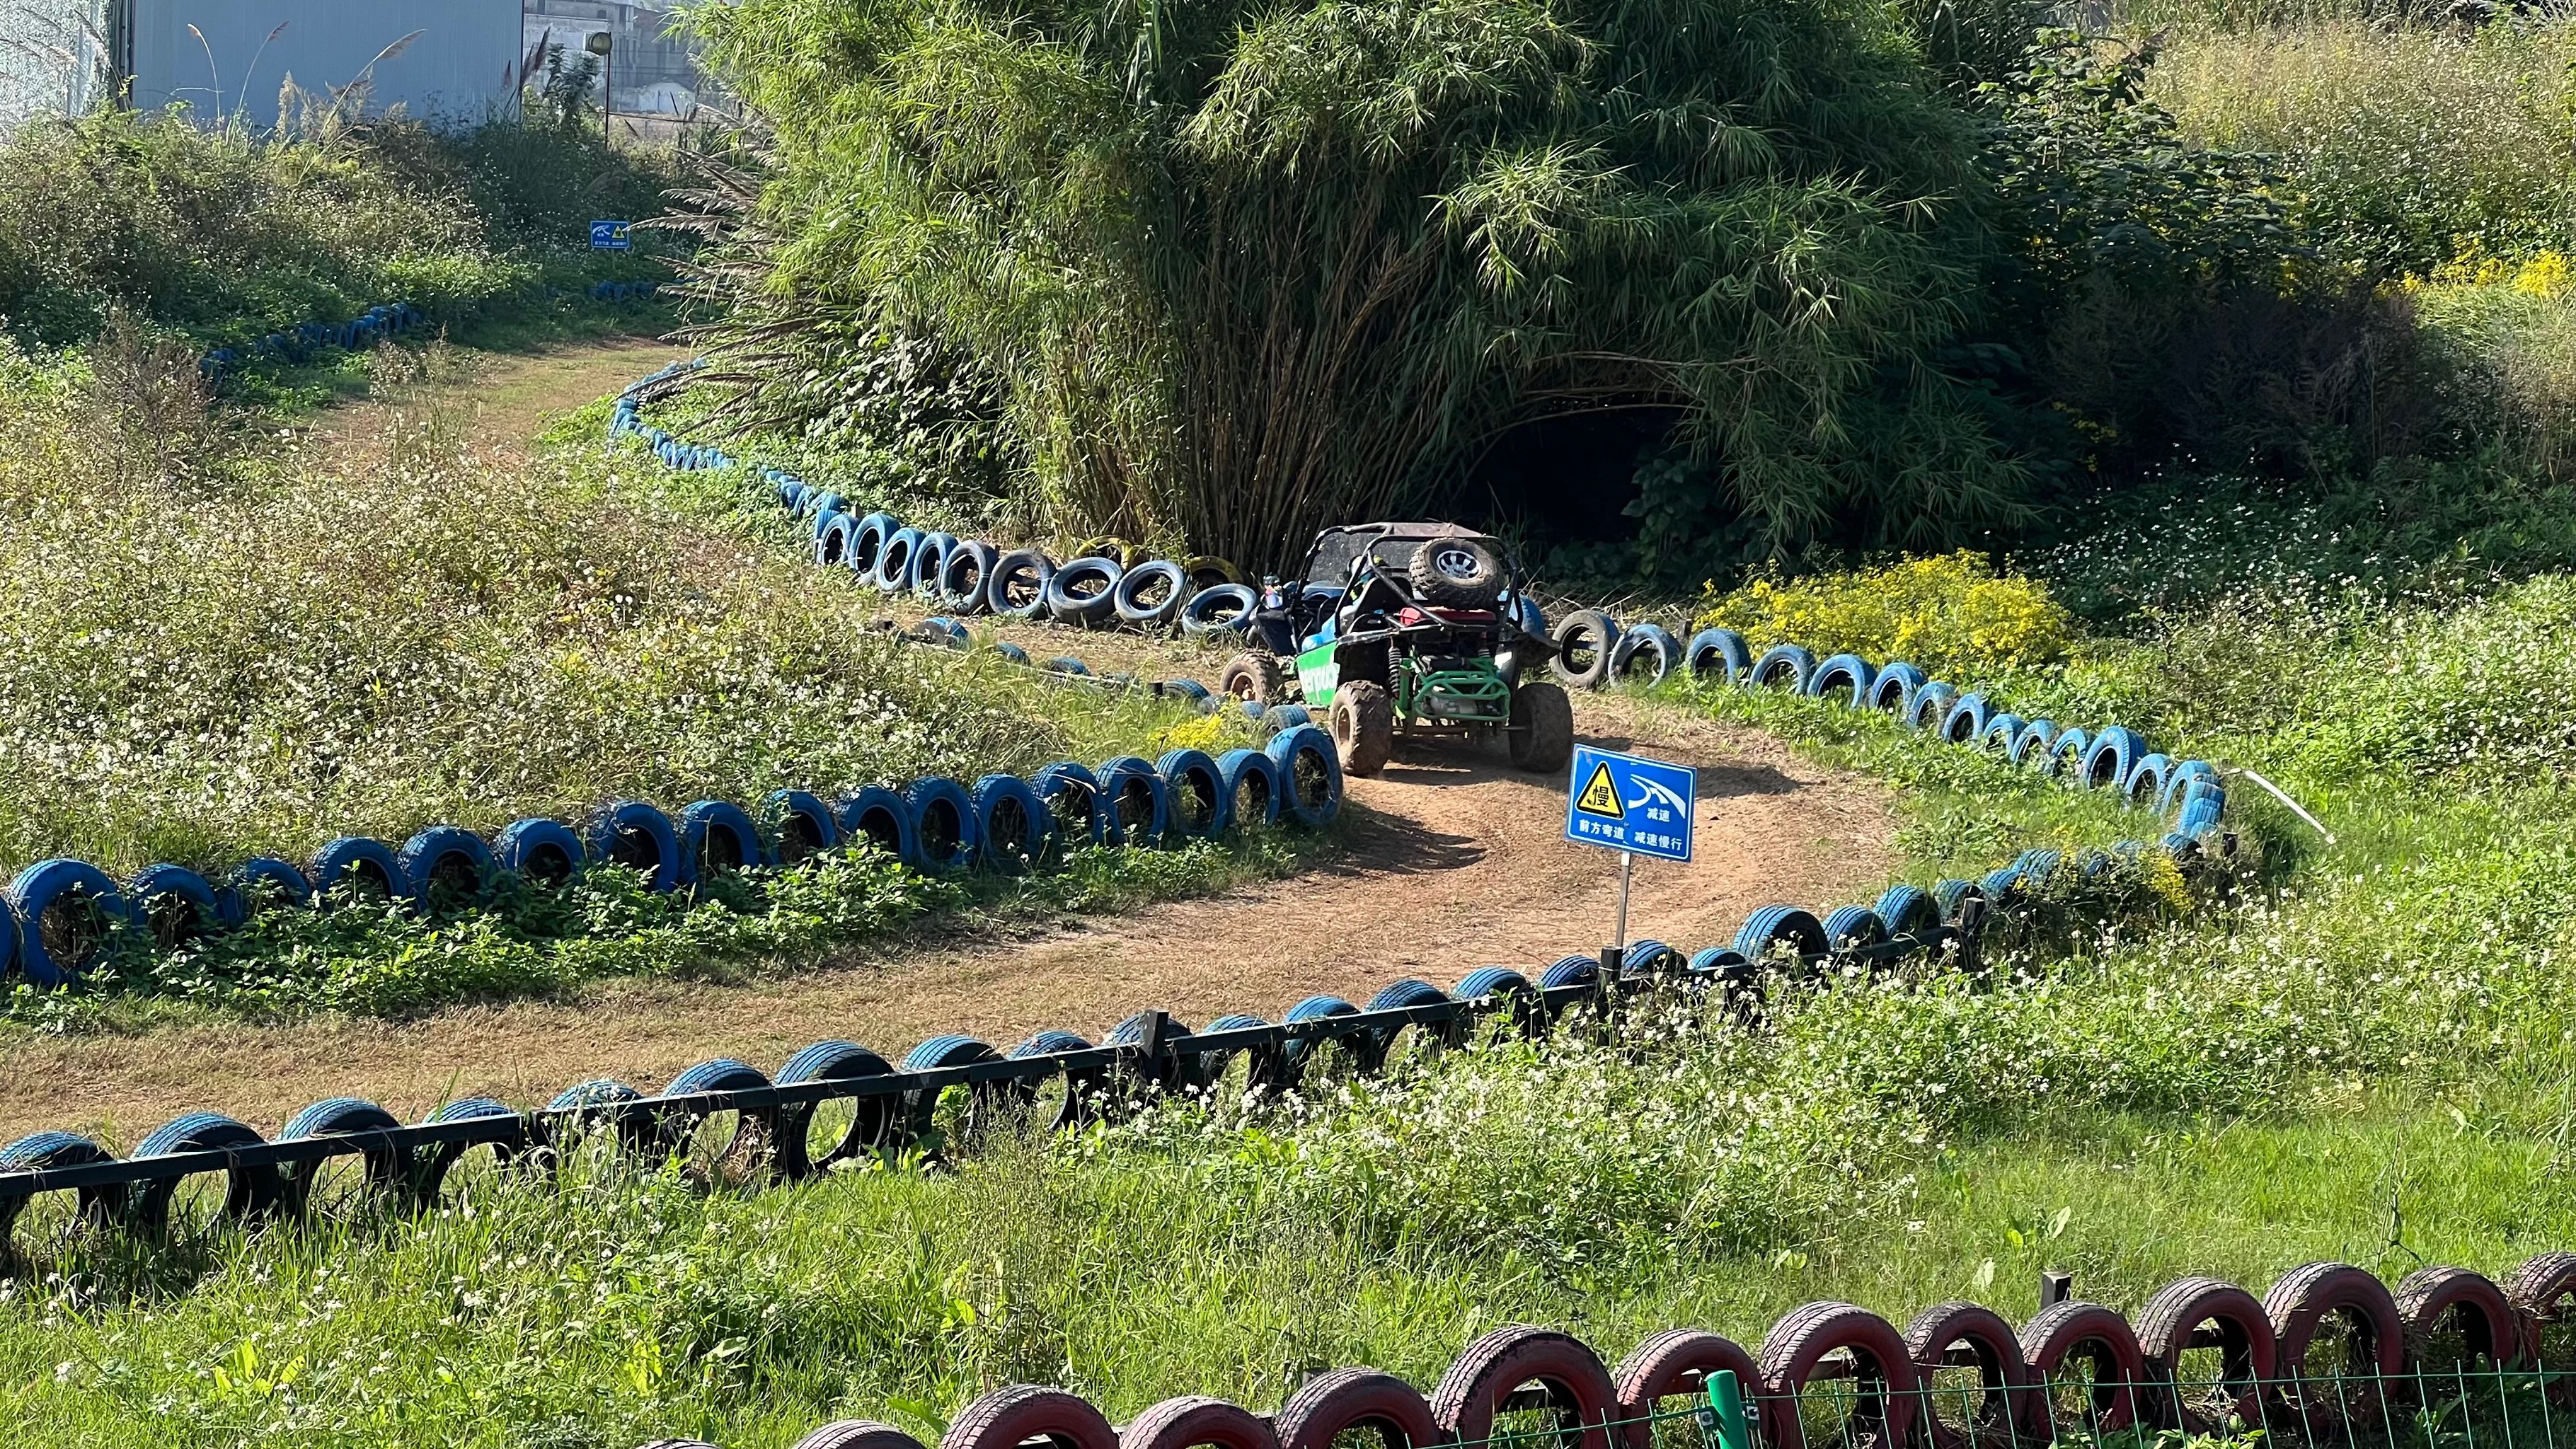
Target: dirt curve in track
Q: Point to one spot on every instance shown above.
(1454, 860)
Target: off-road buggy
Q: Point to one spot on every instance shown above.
(1406, 629)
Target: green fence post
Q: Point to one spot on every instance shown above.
(1726, 1411)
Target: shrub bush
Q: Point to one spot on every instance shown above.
(1954, 615)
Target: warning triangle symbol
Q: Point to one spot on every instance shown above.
(1600, 797)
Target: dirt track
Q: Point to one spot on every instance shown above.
(1455, 862)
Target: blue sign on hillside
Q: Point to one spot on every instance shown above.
(609, 236)
(1621, 802)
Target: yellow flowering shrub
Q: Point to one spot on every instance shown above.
(1205, 732)
(1951, 613)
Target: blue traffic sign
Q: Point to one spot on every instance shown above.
(1622, 802)
(609, 236)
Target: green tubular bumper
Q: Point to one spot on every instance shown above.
(1462, 696)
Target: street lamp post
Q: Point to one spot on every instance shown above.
(603, 44)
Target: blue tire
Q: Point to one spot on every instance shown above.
(388, 1168)
(867, 543)
(1908, 913)
(800, 825)
(1310, 775)
(1717, 656)
(967, 575)
(821, 507)
(2114, 754)
(261, 882)
(1084, 592)
(944, 824)
(1965, 723)
(883, 818)
(2180, 780)
(1018, 587)
(1893, 691)
(2001, 731)
(1953, 896)
(635, 835)
(832, 541)
(1526, 615)
(2149, 774)
(1845, 678)
(931, 564)
(1072, 796)
(1282, 717)
(1649, 650)
(834, 1061)
(1137, 600)
(2037, 742)
(1783, 666)
(1570, 971)
(718, 838)
(1496, 984)
(1011, 823)
(1136, 804)
(46, 1151)
(174, 903)
(249, 1191)
(898, 560)
(547, 852)
(1775, 926)
(949, 1051)
(1930, 705)
(354, 862)
(1199, 804)
(1227, 607)
(2066, 754)
(1250, 780)
(1853, 927)
(448, 859)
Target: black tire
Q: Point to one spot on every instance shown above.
(1464, 573)
(1586, 640)
(1363, 726)
(1542, 728)
(1256, 676)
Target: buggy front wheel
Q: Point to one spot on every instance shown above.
(1542, 728)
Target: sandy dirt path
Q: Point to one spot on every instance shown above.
(1454, 861)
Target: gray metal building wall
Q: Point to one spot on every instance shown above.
(455, 61)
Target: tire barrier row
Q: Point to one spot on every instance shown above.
(1107, 583)
(57, 915)
(891, 1105)
(2189, 795)
(2328, 1355)
(298, 343)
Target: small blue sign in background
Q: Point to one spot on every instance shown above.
(609, 236)
(1622, 802)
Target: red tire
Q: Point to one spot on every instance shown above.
(2542, 1291)
(2241, 1332)
(1569, 1375)
(1354, 1398)
(1965, 1335)
(1008, 1418)
(1882, 1374)
(858, 1434)
(2303, 1305)
(1676, 1361)
(1186, 1423)
(2054, 1344)
(2433, 1302)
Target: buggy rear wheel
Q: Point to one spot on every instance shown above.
(1255, 676)
(1363, 726)
(1542, 728)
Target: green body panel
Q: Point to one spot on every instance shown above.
(1319, 673)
